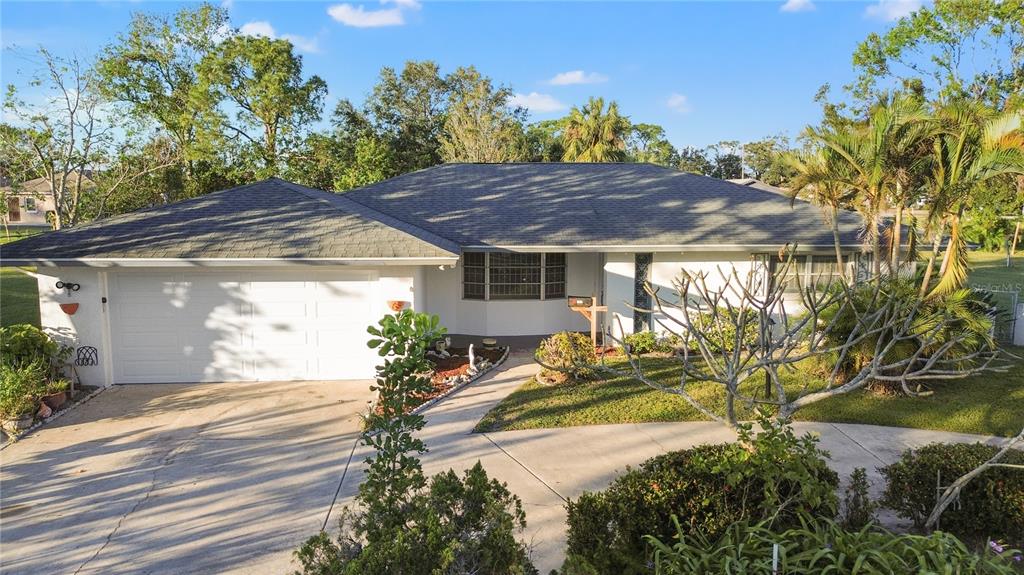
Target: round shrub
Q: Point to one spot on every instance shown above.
(991, 505)
(23, 343)
(720, 331)
(773, 477)
(566, 355)
(645, 342)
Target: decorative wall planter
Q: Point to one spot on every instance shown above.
(69, 308)
(396, 305)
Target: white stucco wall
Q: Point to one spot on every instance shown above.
(619, 269)
(511, 317)
(90, 324)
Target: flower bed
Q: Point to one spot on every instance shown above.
(451, 373)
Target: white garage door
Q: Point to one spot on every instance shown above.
(241, 326)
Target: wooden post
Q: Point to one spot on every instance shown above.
(590, 312)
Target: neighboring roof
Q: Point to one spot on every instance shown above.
(268, 220)
(759, 185)
(610, 206)
(39, 186)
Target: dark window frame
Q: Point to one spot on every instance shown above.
(514, 276)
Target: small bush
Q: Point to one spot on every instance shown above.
(706, 488)
(858, 509)
(458, 525)
(720, 332)
(990, 506)
(645, 342)
(21, 387)
(566, 355)
(24, 343)
(822, 546)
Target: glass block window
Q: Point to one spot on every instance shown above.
(474, 274)
(554, 276)
(508, 276)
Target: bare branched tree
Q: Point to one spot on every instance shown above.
(733, 326)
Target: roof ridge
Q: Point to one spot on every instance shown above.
(333, 198)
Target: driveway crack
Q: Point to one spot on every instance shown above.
(525, 468)
(166, 460)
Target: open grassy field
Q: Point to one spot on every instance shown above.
(19, 295)
(989, 271)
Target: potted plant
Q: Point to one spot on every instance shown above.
(19, 389)
(56, 393)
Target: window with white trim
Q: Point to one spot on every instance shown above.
(30, 205)
(513, 276)
(814, 271)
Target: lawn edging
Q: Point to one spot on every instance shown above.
(13, 438)
(425, 405)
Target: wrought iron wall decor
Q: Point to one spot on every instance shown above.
(86, 356)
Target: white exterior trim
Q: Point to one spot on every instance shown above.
(680, 248)
(227, 262)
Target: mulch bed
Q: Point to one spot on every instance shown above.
(448, 367)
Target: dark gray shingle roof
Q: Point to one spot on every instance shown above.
(565, 204)
(266, 220)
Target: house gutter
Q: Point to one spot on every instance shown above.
(687, 248)
(229, 262)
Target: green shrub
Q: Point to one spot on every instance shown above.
(566, 354)
(645, 342)
(990, 506)
(21, 387)
(459, 525)
(720, 332)
(706, 488)
(858, 510)
(821, 546)
(23, 343)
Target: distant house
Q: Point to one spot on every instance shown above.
(30, 204)
(759, 185)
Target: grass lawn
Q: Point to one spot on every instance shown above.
(988, 404)
(19, 294)
(989, 271)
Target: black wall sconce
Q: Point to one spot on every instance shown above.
(70, 287)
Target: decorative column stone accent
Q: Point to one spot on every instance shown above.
(641, 299)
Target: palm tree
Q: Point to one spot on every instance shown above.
(871, 151)
(826, 178)
(974, 146)
(593, 135)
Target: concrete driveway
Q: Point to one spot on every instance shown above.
(199, 478)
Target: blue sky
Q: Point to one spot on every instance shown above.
(706, 71)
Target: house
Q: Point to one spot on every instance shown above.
(273, 280)
(30, 204)
(758, 184)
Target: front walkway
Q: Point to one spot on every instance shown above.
(544, 467)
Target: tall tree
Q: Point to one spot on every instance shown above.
(480, 126)
(544, 140)
(154, 69)
(695, 161)
(373, 161)
(647, 143)
(725, 158)
(975, 145)
(407, 110)
(69, 137)
(763, 159)
(272, 104)
(593, 134)
(955, 48)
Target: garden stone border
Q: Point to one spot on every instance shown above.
(14, 438)
(424, 406)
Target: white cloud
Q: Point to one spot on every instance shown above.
(265, 29)
(577, 77)
(678, 103)
(359, 17)
(536, 102)
(890, 10)
(798, 6)
(410, 4)
(258, 28)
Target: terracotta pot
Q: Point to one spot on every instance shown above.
(396, 305)
(69, 308)
(56, 400)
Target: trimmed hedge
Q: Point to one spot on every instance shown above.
(991, 505)
(705, 489)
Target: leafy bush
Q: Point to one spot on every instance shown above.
(645, 342)
(772, 476)
(821, 546)
(22, 344)
(858, 509)
(991, 505)
(720, 331)
(459, 525)
(21, 386)
(565, 355)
